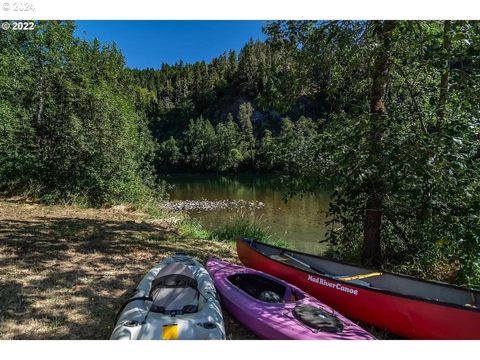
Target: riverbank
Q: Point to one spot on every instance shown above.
(66, 270)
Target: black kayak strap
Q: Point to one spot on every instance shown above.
(144, 298)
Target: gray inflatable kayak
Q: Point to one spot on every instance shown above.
(175, 300)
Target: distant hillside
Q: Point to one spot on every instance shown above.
(259, 74)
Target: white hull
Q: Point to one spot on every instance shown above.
(205, 324)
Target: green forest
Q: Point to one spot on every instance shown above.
(386, 113)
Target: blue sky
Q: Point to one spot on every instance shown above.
(149, 43)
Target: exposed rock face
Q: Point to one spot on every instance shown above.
(209, 205)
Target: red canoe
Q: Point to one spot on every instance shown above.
(403, 305)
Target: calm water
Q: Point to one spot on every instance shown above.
(300, 220)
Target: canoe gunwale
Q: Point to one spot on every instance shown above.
(249, 243)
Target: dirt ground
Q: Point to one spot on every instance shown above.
(65, 271)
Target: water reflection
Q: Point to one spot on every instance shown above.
(300, 220)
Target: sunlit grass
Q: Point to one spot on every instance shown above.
(190, 228)
(242, 227)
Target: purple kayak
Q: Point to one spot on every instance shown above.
(276, 310)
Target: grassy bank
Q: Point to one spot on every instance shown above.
(65, 270)
(242, 227)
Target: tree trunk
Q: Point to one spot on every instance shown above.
(371, 254)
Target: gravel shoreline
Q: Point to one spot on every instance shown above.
(211, 205)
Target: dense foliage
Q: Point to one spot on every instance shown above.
(72, 125)
(421, 158)
(216, 116)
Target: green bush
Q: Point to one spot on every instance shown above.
(74, 130)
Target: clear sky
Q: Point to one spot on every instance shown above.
(149, 43)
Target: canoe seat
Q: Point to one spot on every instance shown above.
(359, 277)
(290, 260)
(279, 258)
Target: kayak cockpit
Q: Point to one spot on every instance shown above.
(174, 290)
(264, 288)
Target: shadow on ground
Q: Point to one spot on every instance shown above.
(64, 277)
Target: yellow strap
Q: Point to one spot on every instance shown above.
(359, 277)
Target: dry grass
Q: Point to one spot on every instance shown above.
(64, 271)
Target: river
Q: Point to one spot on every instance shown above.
(299, 221)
